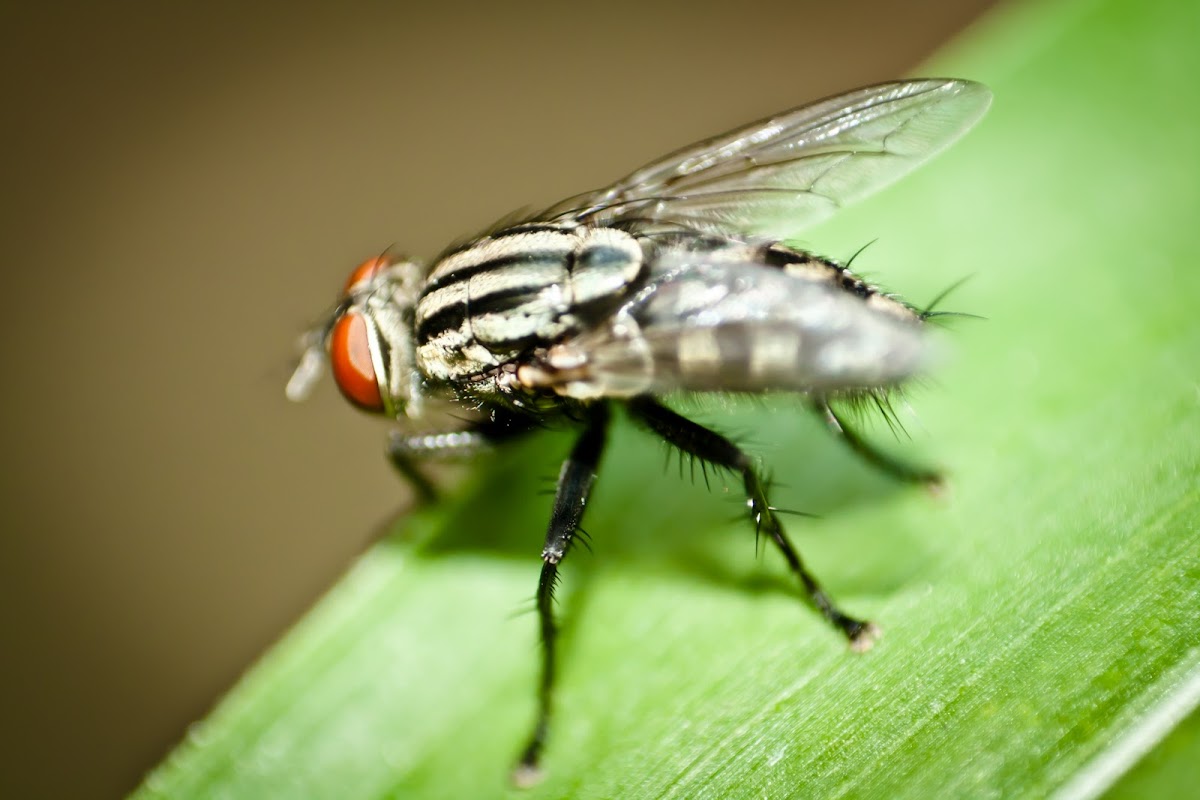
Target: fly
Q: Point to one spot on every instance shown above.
(676, 278)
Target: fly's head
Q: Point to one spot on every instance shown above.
(367, 340)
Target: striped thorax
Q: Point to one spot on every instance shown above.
(497, 297)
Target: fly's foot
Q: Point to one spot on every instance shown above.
(863, 636)
(937, 486)
(526, 774)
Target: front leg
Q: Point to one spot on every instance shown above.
(404, 450)
(574, 485)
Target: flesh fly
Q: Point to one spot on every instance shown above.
(678, 277)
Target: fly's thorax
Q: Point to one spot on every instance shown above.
(487, 302)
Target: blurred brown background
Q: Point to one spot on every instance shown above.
(185, 189)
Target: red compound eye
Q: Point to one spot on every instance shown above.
(350, 358)
(365, 271)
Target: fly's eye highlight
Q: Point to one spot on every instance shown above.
(350, 360)
(365, 272)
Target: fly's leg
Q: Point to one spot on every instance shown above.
(714, 448)
(404, 450)
(900, 470)
(574, 484)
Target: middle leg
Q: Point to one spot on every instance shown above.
(574, 486)
(714, 448)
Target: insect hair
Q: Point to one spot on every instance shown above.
(930, 312)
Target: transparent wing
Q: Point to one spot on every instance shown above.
(774, 177)
(705, 323)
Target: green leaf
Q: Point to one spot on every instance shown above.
(1041, 622)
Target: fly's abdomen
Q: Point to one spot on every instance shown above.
(529, 285)
(724, 325)
(756, 356)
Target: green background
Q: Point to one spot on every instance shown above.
(1041, 623)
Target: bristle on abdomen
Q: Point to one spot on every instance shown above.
(810, 267)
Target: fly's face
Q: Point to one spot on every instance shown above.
(368, 340)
